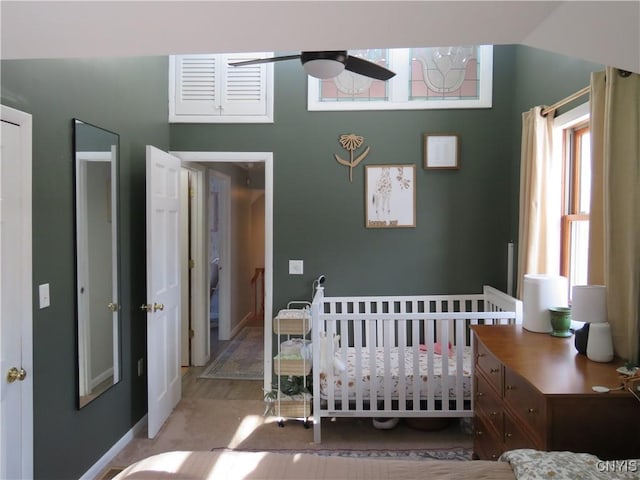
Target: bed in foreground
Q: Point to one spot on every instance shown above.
(301, 466)
(523, 464)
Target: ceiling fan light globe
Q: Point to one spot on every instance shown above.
(323, 68)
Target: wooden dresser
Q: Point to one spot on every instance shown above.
(533, 390)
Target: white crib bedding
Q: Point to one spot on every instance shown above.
(349, 374)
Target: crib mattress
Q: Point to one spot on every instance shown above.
(347, 379)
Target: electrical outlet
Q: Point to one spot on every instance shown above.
(140, 367)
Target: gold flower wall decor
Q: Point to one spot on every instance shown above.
(351, 142)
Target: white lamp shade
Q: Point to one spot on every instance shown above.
(540, 293)
(588, 304)
(323, 68)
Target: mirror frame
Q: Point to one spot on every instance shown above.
(89, 151)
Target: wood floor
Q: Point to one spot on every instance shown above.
(194, 387)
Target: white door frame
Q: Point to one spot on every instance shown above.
(193, 298)
(23, 464)
(185, 200)
(244, 157)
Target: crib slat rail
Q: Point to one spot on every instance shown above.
(399, 356)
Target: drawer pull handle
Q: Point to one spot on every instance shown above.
(493, 414)
(494, 456)
(480, 394)
(510, 387)
(480, 355)
(494, 370)
(532, 410)
(508, 435)
(479, 433)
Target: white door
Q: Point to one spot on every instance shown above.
(16, 359)
(185, 321)
(163, 287)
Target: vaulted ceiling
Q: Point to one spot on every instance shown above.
(599, 31)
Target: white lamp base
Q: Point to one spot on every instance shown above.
(600, 343)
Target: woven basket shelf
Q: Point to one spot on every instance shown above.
(294, 409)
(294, 406)
(295, 367)
(292, 322)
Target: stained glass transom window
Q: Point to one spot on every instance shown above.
(426, 78)
(442, 73)
(349, 86)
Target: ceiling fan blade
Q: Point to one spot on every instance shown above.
(264, 60)
(367, 68)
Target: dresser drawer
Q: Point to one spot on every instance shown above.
(490, 366)
(487, 403)
(486, 444)
(526, 402)
(515, 437)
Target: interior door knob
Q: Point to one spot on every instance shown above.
(112, 306)
(16, 374)
(148, 307)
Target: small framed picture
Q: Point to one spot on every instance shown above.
(390, 196)
(441, 151)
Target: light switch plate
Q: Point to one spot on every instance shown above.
(296, 267)
(43, 291)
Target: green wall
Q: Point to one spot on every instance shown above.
(465, 218)
(128, 97)
(462, 226)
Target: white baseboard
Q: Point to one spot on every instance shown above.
(101, 464)
(101, 377)
(238, 328)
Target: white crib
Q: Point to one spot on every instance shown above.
(418, 346)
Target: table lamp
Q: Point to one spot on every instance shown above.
(589, 306)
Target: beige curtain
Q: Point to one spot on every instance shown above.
(614, 239)
(535, 167)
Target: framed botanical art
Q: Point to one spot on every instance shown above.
(390, 196)
(441, 151)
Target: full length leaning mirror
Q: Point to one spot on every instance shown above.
(96, 204)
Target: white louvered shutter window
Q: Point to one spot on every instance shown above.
(244, 90)
(196, 89)
(206, 89)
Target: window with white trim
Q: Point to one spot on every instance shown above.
(206, 89)
(426, 78)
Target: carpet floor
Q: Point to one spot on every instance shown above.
(242, 359)
(206, 424)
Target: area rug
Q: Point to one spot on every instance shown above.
(457, 453)
(243, 359)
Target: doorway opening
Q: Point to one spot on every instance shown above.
(230, 238)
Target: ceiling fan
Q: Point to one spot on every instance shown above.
(329, 64)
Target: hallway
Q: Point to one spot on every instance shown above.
(218, 346)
